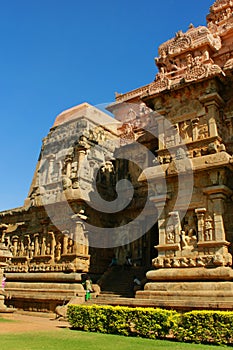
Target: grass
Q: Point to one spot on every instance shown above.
(5, 320)
(66, 339)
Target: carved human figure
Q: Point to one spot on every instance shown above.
(66, 182)
(43, 246)
(31, 250)
(27, 242)
(170, 233)
(37, 246)
(58, 251)
(48, 248)
(15, 245)
(20, 248)
(208, 229)
(184, 129)
(70, 245)
(189, 60)
(3, 227)
(189, 239)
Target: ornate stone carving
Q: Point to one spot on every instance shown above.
(188, 239)
(195, 72)
(208, 229)
(228, 64)
(126, 134)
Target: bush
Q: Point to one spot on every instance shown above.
(205, 327)
(214, 327)
(144, 322)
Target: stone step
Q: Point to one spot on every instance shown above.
(176, 304)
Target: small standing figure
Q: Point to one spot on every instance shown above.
(113, 262)
(209, 229)
(128, 261)
(136, 284)
(3, 282)
(88, 287)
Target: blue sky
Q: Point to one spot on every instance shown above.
(56, 54)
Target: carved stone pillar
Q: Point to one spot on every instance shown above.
(217, 195)
(50, 159)
(81, 156)
(37, 246)
(159, 201)
(212, 102)
(15, 245)
(80, 234)
(195, 123)
(68, 166)
(79, 245)
(65, 241)
(53, 244)
(161, 131)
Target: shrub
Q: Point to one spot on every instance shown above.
(214, 327)
(144, 322)
(205, 327)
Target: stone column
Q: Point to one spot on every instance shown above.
(68, 166)
(65, 241)
(218, 202)
(80, 235)
(195, 129)
(50, 159)
(53, 244)
(37, 246)
(15, 240)
(161, 132)
(212, 114)
(159, 202)
(212, 102)
(217, 195)
(81, 156)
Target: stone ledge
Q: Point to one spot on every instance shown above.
(190, 274)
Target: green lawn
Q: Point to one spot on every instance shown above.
(5, 320)
(66, 339)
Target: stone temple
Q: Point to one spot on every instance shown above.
(154, 183)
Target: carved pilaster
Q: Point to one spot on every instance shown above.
(212, 102)
(80, 235)
(217, 195)
(50, 160)
(161, 132)
(81, 156)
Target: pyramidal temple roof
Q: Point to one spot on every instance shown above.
(86, 110)
(198, 53)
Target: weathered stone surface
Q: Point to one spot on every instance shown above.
(5, 255)
(183, 120)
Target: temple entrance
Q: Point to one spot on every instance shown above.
(142, 250)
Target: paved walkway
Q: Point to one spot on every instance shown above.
(29, 322)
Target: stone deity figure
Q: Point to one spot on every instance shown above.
(170, 233)
(58, 251)
(189, 240)
(208, 229)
